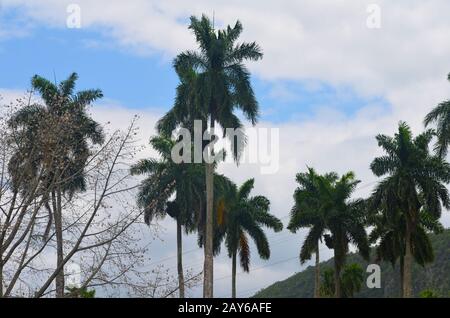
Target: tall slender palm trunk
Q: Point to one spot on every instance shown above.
(57, 210)
(317, 274)
(337, 281)
(180, 259)
(233, 276)
(208, 269)
(338, 261)
(407, 266)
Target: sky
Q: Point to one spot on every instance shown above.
(334, 75)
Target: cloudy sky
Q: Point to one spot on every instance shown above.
(330, 82)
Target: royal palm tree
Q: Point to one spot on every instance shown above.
(388, 231)
(164, 179)
(414, 180)
(441, 116)
(307, 213)
(186, 109)
(345, 220)
(221, 85)
(242, 217)
(57, 136)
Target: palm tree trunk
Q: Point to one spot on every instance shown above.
(402, 264)
(233, 276)
(208, 269)
(59, 279)
(317, 277)
(337, 272)
(407, 267)
(180, 259)
(1, 277)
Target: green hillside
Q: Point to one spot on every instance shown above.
(435, 276)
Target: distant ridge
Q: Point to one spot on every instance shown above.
(435, 276)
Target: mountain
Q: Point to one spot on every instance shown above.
(435, 276)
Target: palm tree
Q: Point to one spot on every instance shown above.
(164, 179)
(56, 135)
(222, 188)
(244, 216)
(345, 221)
(389, 232)
(327, 285)
(307, 213)
(222, 85)
(441, 116)
(415, 180)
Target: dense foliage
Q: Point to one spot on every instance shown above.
(432, 277)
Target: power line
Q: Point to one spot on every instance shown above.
(222, 257)
(265, 266)
(261, 267)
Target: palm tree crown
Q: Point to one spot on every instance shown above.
(307, 211)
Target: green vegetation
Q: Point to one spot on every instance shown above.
(73, 292)
(351, 281)
(415, 185)
(307, 213)
(214, 84)
(433, 276)
(165, 178)
(324, 204)
(244, 216)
